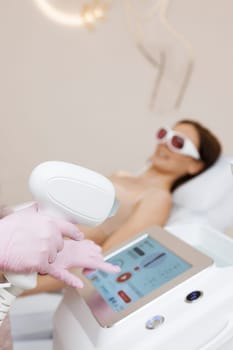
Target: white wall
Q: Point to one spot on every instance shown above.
(82, 97)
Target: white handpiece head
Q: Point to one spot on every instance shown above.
(77, 194)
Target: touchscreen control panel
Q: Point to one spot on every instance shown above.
(145, 266)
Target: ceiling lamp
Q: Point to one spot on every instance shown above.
(75, 13)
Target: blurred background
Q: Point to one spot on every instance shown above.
(82, 94)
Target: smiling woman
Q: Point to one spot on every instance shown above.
(146, 199)
(181, 153)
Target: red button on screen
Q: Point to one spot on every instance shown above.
(124, 277)
(124, 296)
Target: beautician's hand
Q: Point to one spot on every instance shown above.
(29, 241)
(85, 254)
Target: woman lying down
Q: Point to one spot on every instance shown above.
(181, 153)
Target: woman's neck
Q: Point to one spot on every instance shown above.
(159, 178)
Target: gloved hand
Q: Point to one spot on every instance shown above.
(85, 254)
(29, 241)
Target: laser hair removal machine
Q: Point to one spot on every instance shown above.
(74, 193)
(172, 293)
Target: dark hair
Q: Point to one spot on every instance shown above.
(209, 149)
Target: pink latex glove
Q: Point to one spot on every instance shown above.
(85, 254)
(29, 241)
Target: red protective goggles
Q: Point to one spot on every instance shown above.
(177, 142)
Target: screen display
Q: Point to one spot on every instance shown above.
(145, 266)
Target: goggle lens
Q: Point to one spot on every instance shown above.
(177, 142)
(161, 134)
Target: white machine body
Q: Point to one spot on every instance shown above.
(77, 194)
(169, 321)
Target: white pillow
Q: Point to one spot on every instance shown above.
(207, 189)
